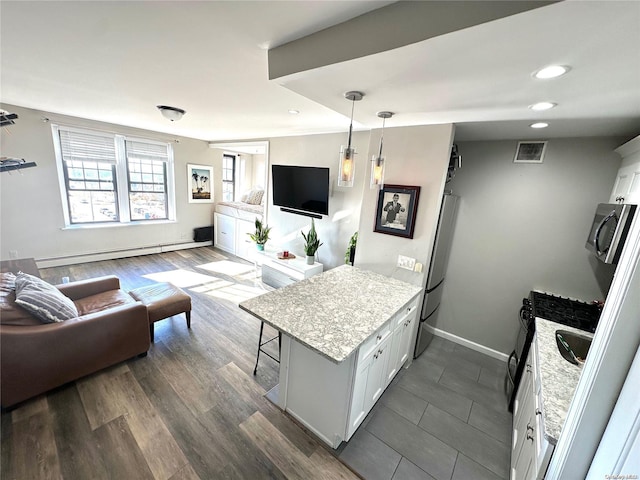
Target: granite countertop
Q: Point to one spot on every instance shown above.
(335, 312)
(558, 377)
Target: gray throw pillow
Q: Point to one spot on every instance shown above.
(43, 300)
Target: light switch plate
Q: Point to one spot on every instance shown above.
(406, 262)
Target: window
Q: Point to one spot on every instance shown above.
(107, 178)
(228, 177)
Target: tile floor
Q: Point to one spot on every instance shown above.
(443, 418)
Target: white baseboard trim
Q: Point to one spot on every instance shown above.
(114, 254)
(469, 344)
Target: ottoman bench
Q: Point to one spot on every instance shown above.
(163, 300)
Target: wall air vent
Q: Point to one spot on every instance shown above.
(530, 152)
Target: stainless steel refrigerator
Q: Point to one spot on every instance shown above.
(437, 270)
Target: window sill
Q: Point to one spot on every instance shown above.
(90, 226)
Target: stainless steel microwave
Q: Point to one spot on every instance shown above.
(609, 230)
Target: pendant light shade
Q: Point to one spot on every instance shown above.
(377, 161)
(347, 153)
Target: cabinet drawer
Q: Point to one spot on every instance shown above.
(276, 278)
(402, 316)
(371, 343)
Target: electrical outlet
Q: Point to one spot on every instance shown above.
(13, 254)
(406, 262)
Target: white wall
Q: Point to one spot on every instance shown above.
(522, 227)
(414, 156)
(335, 229)
(32, 220)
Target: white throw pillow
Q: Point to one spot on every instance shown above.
(43, 300)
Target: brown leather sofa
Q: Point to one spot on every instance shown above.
(36, 357)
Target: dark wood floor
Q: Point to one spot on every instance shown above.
(190, 409)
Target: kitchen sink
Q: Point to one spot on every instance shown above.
(572, 346)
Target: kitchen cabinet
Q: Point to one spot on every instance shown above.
(224, 232)
(280, 273)
(531, 451)
(626, 188)
(401, 341)
(337, 350)
(230, 235)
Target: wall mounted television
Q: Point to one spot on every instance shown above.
(301, 190)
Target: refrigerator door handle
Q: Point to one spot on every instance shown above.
(429, 290)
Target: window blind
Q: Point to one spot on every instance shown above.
(146, 151)
(87, 147)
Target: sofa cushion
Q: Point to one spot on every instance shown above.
(7, 282)
(10, 313)
(43, 299)
(102, 301)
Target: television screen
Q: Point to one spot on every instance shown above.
(301, 188)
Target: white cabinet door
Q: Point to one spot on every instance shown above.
(627, 185)
(405, 342)
(626, 188)
(393, 363)
(376, 379)
(224, 232)
(244, 246)
(358, 410)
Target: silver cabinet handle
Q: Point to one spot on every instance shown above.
(528, 368)
(378, 337)
(538, 411)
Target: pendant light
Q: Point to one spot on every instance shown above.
(347, 154)
(377, 161)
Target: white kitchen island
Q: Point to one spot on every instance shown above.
(345, 335)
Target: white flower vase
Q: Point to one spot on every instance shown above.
(311, 259)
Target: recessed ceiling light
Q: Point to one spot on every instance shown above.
(540, 106)
(551, 71)
(294, 112)
(539, 125)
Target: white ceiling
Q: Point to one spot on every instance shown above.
(115, 61)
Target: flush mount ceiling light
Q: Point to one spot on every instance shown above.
(541, 106)
(347, 154)
(539, 125)
(171, 113)
(552, 71)
(377, 161)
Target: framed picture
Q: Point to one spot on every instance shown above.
(200, 180)
(396, 212)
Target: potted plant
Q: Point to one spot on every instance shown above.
(311, 243)
(351, 249)
(261, 235)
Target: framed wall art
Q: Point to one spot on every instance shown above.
(396, 212)
(200, 181)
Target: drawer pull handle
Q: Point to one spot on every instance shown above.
(528, 368)
(380, 352)
(529, 432)
(375, 356)
(538, 411)
(378, 337)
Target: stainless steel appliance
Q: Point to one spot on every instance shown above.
(609, 230)
(437, 269)
(565, 311)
